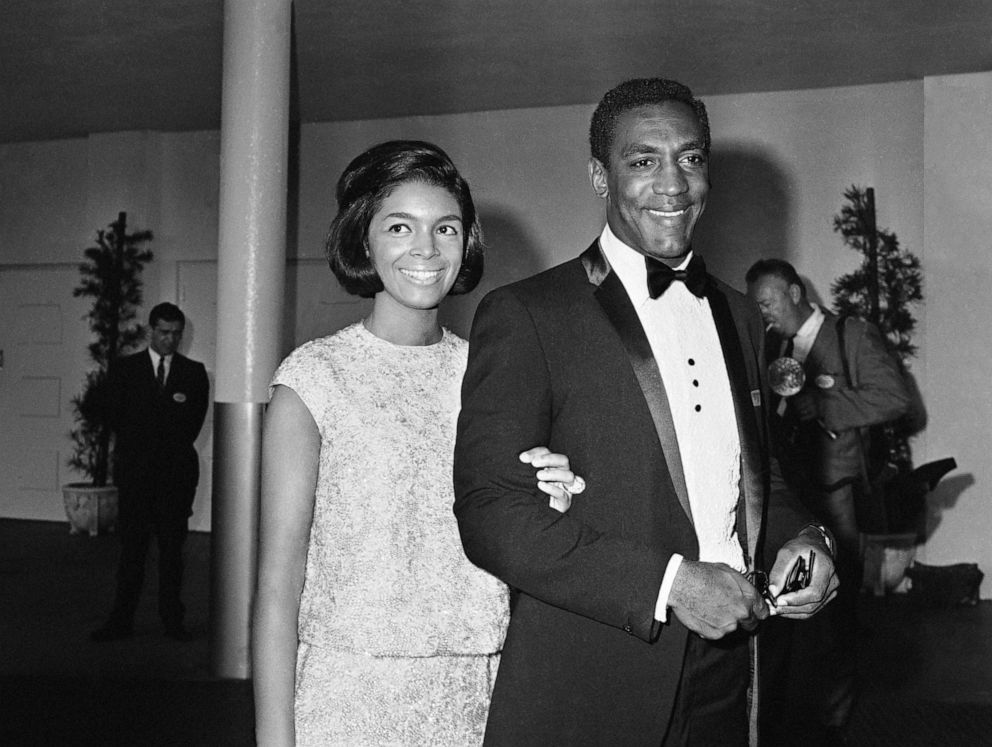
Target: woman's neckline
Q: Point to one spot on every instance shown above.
(365, 331)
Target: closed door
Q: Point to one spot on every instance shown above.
(43, 339)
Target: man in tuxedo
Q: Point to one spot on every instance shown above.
(633, 621)
(157, 400)
(851, 382)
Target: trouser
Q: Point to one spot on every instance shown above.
(711, 703)
(136, 529)
(809, 667)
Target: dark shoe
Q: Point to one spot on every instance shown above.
(111, 632)
(178, 633)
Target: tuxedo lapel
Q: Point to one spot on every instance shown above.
(746, 409)
(613, 299)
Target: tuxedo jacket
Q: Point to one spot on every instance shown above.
(875, 393)
(561, 359)
(155, 430)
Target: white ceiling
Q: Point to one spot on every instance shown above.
(70, 67)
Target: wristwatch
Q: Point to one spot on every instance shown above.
(828, 538)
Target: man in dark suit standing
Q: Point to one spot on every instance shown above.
(157, 402)
(851, 382)
(631, 626)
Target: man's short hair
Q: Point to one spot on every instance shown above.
(633, 94)
(361, 190)
(777, 268)
(166, 312)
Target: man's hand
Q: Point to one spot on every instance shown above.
(823, 584)
(713, 600)
(554, 476)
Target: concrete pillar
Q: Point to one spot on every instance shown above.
(250, 269)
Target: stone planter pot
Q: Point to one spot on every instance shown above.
(886, 558)
(90, 509)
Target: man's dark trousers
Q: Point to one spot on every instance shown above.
(145, 517)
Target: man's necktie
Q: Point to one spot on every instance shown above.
(160, 372)
(660, 276)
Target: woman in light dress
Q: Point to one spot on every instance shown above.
(370, 625)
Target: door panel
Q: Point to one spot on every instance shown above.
(43, 362)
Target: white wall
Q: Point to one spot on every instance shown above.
(956, 341)
(780, 166)
(43, 188)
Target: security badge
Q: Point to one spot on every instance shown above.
(756, 397)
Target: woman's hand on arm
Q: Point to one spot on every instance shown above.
(290, 456)
(554, 476)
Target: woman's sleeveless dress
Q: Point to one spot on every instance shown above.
(399, 633)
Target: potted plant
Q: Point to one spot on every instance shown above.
(111, 276)
(888, 282)
(882, 290)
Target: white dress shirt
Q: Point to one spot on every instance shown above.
(155, 357)
(803, 341)
(684, 340)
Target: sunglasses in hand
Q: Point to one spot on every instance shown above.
(799, 578)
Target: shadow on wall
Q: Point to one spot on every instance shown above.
(748, 212)
(814, 295)
(944, 497)
(512, 253)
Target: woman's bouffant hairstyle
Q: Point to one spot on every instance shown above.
(361, 190)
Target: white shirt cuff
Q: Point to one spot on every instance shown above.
(661, 608)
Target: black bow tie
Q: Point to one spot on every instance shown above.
(660, 276)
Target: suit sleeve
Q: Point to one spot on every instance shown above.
(199, 401)
(879, 392)
(508, 406)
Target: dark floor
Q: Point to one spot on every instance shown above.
(58, 688)
(927, 674)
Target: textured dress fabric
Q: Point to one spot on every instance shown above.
(399, 633)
